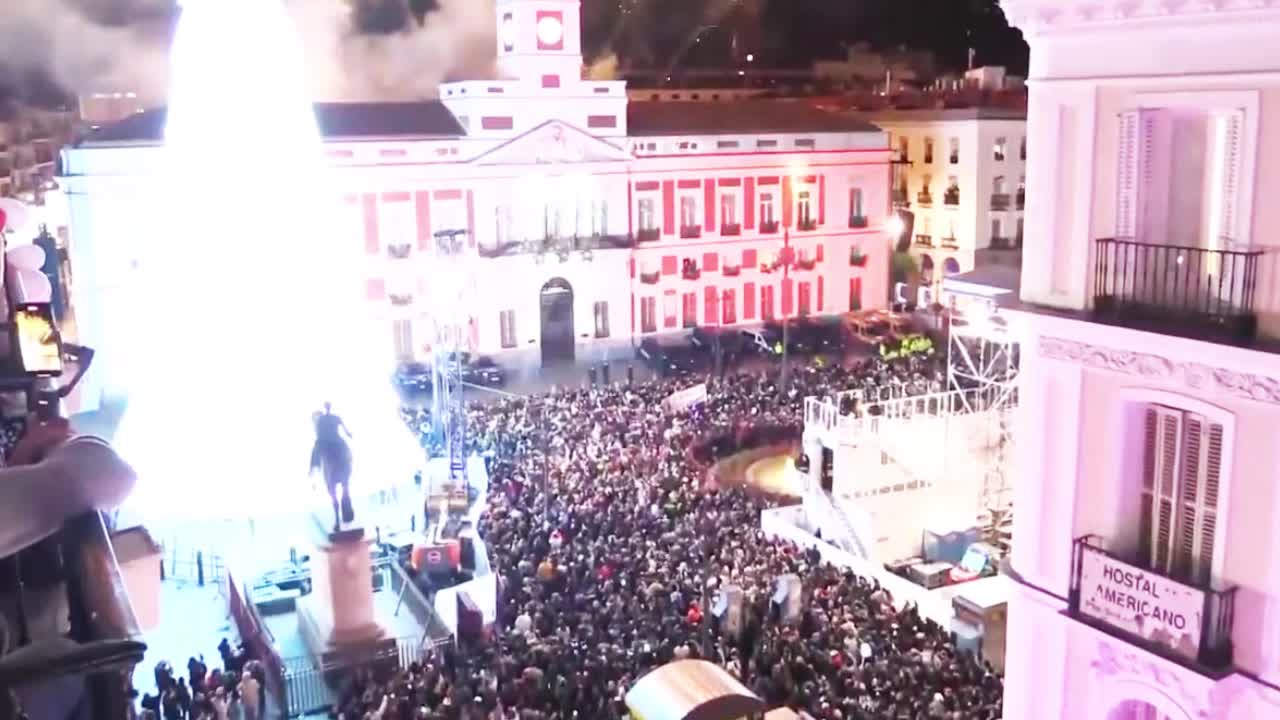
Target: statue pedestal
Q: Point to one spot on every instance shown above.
(337, 619)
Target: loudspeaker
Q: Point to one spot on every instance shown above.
(467, 556)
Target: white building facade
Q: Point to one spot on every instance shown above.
(1148, 463)
(593, 221)
(963, 180)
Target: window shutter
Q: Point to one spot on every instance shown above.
(1160, 478)
(1198, 497)
(1127, 175)
(1230, 129)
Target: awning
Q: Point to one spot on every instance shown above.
(691, 690)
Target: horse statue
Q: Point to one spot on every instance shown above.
(332, 455)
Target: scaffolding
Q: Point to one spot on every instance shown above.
(452, 282)
(982, 369)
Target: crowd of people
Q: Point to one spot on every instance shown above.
(614, 558)
(235, 692)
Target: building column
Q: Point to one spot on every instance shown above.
(1035, 656)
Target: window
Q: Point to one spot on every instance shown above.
(507, 326)
(904, 149)
(855, 293)
(998, 151)
(766, 212)
(803, 290)
(402, 335)
(1017, 240)
(953, 191)
(997, 185)
(954, 154)
(648, 315)
(726, 144)
(1022, 149)
(766, 302)
(805, 143)
(928, 150)
(856, 218)
(997, 231)
(749, 259)
(669, 310)
(728, 210)
(689, 212)
(648, 215)
(804, 212)
(749, 301)
(1181, 475)
(766, 144)
(602, 319)
(729, 305)
(689, 309)
(602, 121)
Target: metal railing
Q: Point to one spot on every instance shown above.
(924, 198)
(1191, 623)
(1154, 283)
(1000, 201)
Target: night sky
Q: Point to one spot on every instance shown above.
(643, 34)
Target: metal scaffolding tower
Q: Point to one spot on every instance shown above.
(452, 281)
(982, 370)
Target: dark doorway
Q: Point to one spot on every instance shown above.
(557, 322)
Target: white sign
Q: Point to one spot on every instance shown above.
(1141, 603)
(685, 399)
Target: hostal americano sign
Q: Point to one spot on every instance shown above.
(1141, 603)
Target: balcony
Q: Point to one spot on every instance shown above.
(950, 243)
(924, 240)
(562, 247)
(805, 263)
(1000, 201)
(951, 197)
(1172, 288)
(730, 230)
(768, 227)
(650, 278)
(644, 235)
(1190, 624)
(900, 197)
(807, 224)
(857, 222)
(1021, 199)
(731, 270)
(857, 258)
(399, 251)
(1001, 243)
(924, 199)
(691, 272)
(690, 232)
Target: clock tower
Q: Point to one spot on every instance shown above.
(540, 39)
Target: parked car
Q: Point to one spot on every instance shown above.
(668, 358)
(819, 335)
(413, 377)
(799, 342)
(730, 342)
(481, 370)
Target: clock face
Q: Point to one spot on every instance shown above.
(508, 33)
(550, 31)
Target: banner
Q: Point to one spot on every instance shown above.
(1152, 607)
(685, 399)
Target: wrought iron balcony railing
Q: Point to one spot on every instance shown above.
(1189, 623)
(648, 234)
(924, 199)
(900, 197)
(1000, 243)
(691, 232)
(857, 222)
(1000, 201)
(730, 229)
(951, 197)
(924, 240)
(1195, 288)
(560, 246)
(650, 278)
(950, 242)
(1021, 199)
(769, 227)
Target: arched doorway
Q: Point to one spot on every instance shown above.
(557, 322)
(951, 266)
(926, 270)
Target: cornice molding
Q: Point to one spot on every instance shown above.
(1195, 376)
(1048, 15)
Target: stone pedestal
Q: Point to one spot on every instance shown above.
(337, 618)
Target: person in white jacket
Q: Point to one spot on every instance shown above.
(249, 696)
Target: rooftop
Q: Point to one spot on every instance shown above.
(646, 118)
(933, 115)
(337, 121)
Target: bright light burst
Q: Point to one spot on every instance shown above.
(252, 313)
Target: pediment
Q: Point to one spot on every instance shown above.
(554, 143)
(1043, 15)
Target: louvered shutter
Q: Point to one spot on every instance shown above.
(1230, 128)
(1128, 172)
(1200, 475)
(1163, 436)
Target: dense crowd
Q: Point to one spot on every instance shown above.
(236, 691)
(610, 563)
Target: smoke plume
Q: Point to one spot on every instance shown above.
(356, 49)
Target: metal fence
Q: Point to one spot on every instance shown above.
(310, 687)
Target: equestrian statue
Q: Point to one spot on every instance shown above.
(332, 455)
